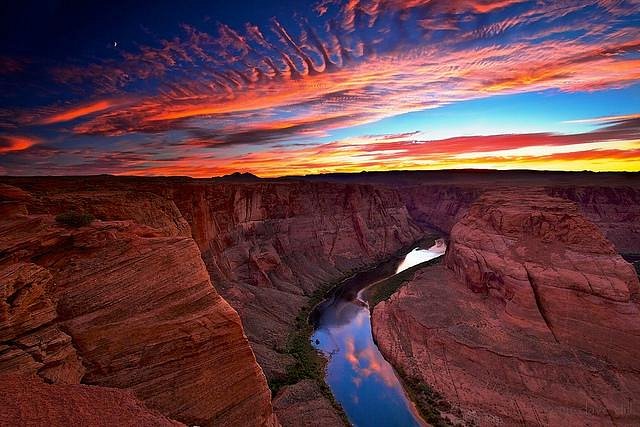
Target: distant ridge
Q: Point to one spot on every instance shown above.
(238, 177)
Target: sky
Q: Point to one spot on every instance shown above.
(289, 87)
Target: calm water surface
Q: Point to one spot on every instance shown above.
(364, 383)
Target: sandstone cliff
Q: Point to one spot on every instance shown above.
(438, 199)
(28, 401)
(269, 246)
(266, 246)
(124, 305)
(615, 209)
(534, 319)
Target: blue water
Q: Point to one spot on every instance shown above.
(362, 381)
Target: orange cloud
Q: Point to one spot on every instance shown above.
(612, 148)
(77, 112)
(606, 119)
(269, 85)
(376, 88)
(16, 143)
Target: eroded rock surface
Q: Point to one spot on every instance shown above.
(533, 320)
(269, 246)
(125, 305)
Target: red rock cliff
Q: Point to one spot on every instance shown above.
(124, 305)
(28, 401)
(269, 246)
(615, 209)
(534, 319)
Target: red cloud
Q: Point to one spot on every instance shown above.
(76, 112)
(16, 143)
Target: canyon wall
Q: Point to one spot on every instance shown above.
(122, 304)
(28, 401)
(439, 206)
(269, 246)
(533, 319)
(615, 209)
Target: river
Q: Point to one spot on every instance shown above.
(361, 380)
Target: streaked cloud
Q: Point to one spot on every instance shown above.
(75, 112)
(264, 97)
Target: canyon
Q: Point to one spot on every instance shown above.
(182, 294)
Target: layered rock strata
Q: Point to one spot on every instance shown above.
(125, 305)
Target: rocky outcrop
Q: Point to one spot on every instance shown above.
(143, 208)
(303, 404)
(30, 341)
(534, 319)
(267, 245)
(615, 209)
(125, 305)
(28, 401)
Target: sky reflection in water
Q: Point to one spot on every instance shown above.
(362, 381)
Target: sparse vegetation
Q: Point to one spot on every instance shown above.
(428, 401)
(309, 363)
(74, 219)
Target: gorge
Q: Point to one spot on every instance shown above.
(183, 294)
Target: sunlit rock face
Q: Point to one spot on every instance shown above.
(266, 246)
(616, 211)
(127, 305)
(269, 246)
(533, 319)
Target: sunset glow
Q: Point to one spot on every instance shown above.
(329, 86)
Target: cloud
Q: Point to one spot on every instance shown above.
(12, 143)
(348, 63)
(377, 86)
(73, 113)
(606, 119)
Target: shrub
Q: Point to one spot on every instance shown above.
(75, 219)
